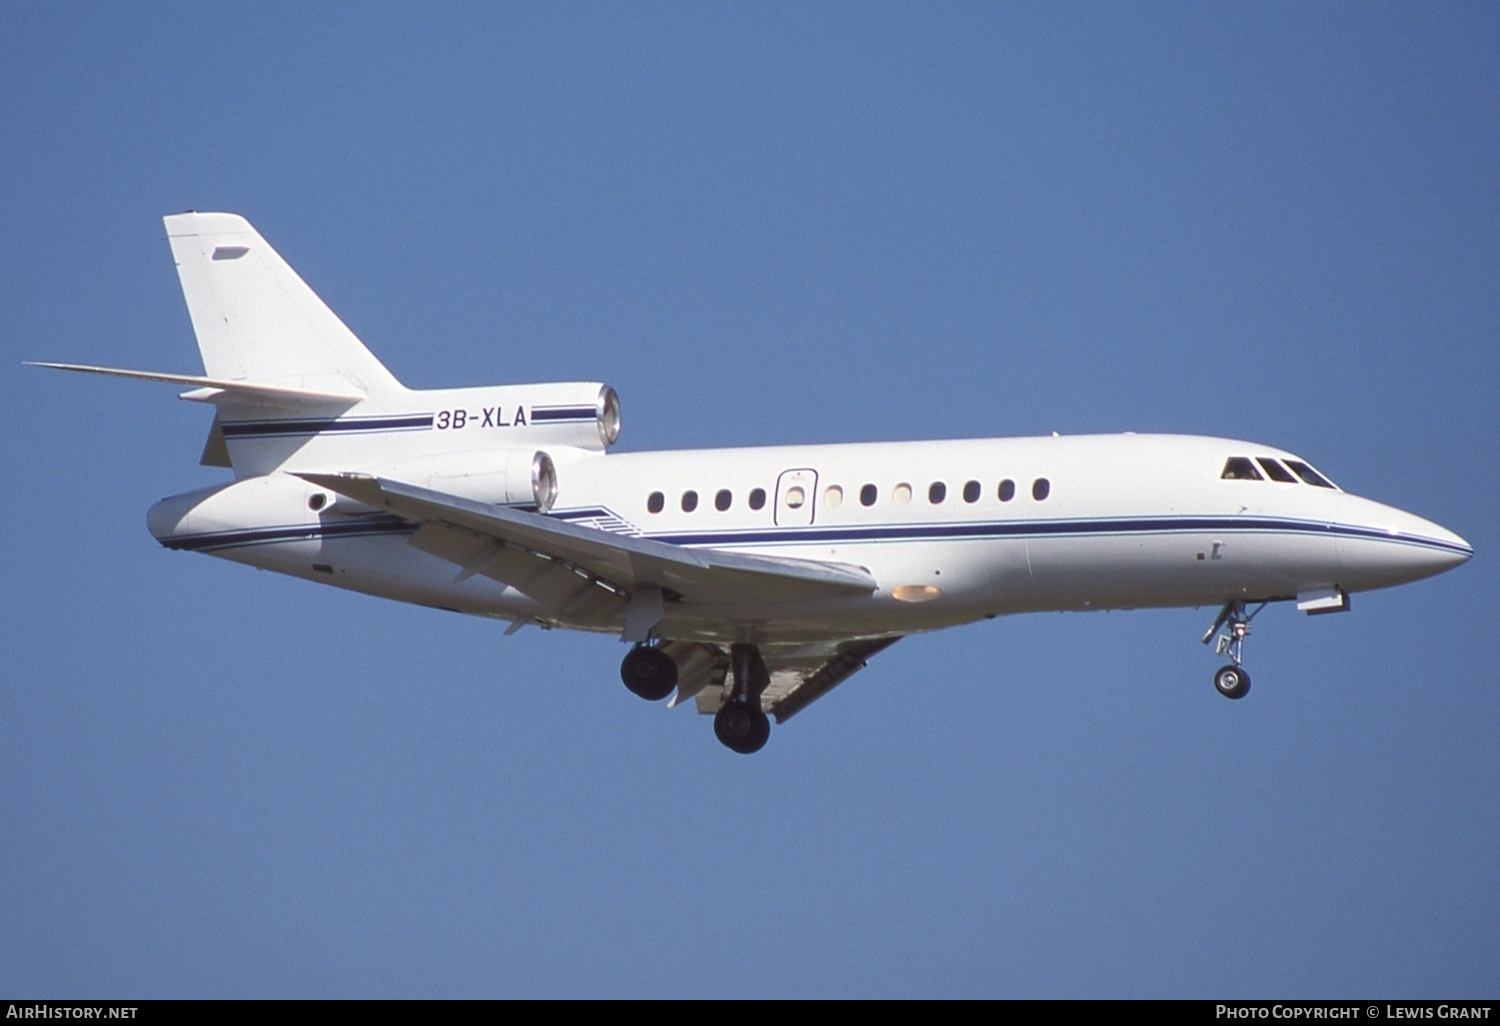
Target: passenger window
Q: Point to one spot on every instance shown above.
(689, 501)
(655, 502)
(901, 493)
(833, 497)
(795, 497)
(868, 494)
(1007, 490)
(757, 498)
(1309, 475)
(1041, 488)
(1275, 471)
(722, 500)
(971, 491)
(1238, 468)
(937, 492)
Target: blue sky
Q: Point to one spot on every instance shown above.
(762, 223)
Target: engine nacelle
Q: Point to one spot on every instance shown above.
(417, 426)
(507, 477)
(574, 415)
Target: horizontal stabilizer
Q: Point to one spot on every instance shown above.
(210, 390)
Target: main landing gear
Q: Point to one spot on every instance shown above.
(740, 724)
(1231, 627)
(649, 672)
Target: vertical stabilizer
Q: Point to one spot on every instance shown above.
(257, 321)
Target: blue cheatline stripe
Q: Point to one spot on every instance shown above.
(1108, 527)
(281, 428)
(363, 527)
(1111, 527)
(374, 425)
(559, 414)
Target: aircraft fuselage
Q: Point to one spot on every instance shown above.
(952, 531)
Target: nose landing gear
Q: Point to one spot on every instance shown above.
(1232, 682)
(1232, 625)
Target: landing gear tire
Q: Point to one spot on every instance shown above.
(1232, 682)
(742, 728)
(649, 672)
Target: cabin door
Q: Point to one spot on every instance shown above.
(796, 495)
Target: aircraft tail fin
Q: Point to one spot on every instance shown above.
(257, 321)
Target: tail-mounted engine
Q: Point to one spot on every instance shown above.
(576, 416)
(524, 478)
(419, 428)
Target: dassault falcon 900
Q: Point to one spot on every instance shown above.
(751, 581)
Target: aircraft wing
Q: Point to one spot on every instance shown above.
(562, 566)
(507, 543)
(800, 673)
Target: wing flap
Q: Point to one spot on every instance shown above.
(800, 674)
(850, 657)
(555, 585)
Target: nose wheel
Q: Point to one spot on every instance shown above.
(1232, 682)
(1230, 629)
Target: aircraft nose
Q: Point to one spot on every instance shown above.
(1443, 549)
(1384, 546)
(1456, 551)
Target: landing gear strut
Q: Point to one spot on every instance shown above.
(1231, 627)
(739, 723)
(649, 672)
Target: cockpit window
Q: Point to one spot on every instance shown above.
(1275, 471)
(1238, 468)
(1309, 475)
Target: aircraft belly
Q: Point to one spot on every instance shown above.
(968, 578)
(1180, 569)
(389, 568)
(765, 626)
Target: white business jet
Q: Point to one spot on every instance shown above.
(751, 581)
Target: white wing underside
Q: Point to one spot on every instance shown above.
(582, 575)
